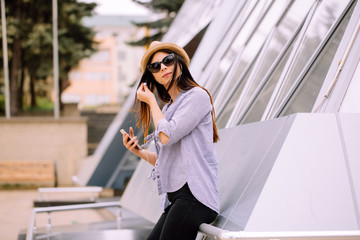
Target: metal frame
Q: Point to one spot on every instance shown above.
(219, 233)
(329, 98)
(351, 98)
(32, 227)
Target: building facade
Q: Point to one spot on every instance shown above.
(107, 76)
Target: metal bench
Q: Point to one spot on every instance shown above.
(76, 195)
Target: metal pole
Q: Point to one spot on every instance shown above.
(56, 60)
(5, 60)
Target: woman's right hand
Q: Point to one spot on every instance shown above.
(144, 94)
(132, 143)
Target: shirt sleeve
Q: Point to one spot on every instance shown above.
(192, 109)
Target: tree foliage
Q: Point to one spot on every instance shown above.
(157, 29)
(30, 43)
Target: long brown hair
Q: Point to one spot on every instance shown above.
(184, 82)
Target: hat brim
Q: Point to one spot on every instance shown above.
(162, 46)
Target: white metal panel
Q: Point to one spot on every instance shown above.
(247, 155)
(285, 174)
(308, 188)
(350, 130)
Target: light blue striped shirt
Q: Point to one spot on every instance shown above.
(189, 155)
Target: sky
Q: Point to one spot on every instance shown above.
(118, 7)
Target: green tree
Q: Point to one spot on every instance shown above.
(168, 8)
(29, 25)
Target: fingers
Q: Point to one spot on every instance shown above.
(144, 87)
(140, 93)
(131, 132)
(125, 138)
(130, 143)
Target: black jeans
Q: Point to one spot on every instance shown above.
(181, 220)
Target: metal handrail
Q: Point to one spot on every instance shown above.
(32, 227)
(221, 234)
(210, 230)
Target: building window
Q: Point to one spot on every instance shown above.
(75, 75)
(70, 98)
(97, 76)
(96, 99)
(121, 76)
(121, 55)
(101, 56)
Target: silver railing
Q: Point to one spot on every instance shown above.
(32, 225)
(221, 234)
(205, 229)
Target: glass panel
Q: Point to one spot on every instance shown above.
(225, 63)
(326, 15)
(305, 97)
(247, 44)
(193, 16)
(221, 30)
(225, 114)
(257, 108)
(214, 82)
(283, 32)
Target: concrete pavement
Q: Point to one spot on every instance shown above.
(15, 213)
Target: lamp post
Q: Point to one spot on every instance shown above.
(56, 60)
(5, 60)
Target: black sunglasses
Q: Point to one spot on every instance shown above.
(167, 61)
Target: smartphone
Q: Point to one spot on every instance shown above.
(137, 146)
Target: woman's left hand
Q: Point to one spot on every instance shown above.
(144, 94)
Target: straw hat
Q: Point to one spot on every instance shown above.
(156, 46)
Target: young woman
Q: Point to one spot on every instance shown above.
(185, 166)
